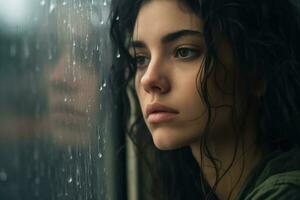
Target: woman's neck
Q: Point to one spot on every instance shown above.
(233, 164)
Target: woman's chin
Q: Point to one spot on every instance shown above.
(167, 141)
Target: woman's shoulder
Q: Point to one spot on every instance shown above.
(283, 186)
(276, 177)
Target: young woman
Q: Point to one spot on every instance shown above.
(217, 84)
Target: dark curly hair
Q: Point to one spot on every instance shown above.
(263, 36)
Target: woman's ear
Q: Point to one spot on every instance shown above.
(259, 88)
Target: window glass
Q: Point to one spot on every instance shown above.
(57, 139)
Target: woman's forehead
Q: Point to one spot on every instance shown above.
(162, 17)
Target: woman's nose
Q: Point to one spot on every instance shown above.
(156, 78)
(60, 78)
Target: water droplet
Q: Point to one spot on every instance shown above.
(43, 2)
(50, 56)
(118, 55)
(105, 3)
(102, 22)
(64, 3)
(70, 180)
(13, 50)
(65, 99)
(3, 176)
(37, 180)
(74, 80)
(104, 84)
(74, 62)
(37, 68)
(35, 19)
(36, 155)
(37, 45)
(100, 155)
(74, 44)
(52, 7)
(36, 193)
(101, 89)
(117, 18)
(26, 50)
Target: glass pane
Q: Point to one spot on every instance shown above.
(57, 122)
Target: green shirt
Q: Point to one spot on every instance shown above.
(277, 177)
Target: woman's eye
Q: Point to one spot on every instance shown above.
(141, 61)
(186, 53)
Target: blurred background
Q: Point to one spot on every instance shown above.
(58, 129)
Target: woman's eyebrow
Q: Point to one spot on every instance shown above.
(170, 37)
(137, 44)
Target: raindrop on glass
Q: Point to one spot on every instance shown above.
(3, 176)
(50, 56)
(35, 19)
(37, 180)
(37, 68)
(100, 155)
(36, 155)
(37, 45)
(13, 50)
(64, 3)
(43, 2)
(26, 50)
(70, 180)
(104, 3)
(52, 7)
(65, 99)
(118, 55)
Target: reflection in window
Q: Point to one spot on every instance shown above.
(56, 133)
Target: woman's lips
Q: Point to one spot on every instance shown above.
(157, 113)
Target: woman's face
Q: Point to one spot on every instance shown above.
(72, 100)
(168, 47)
